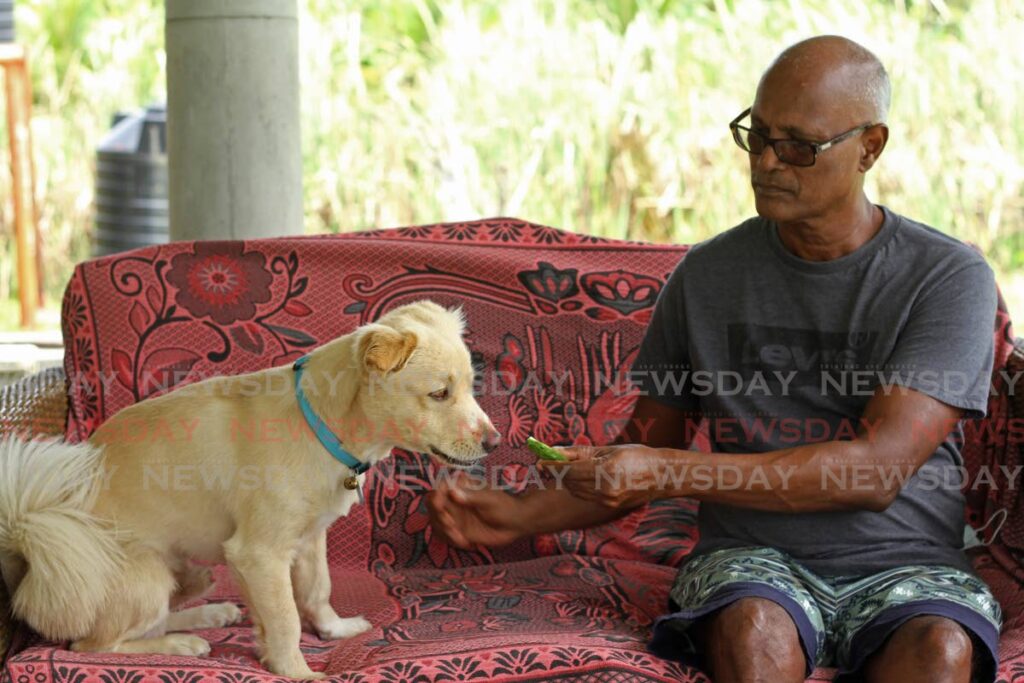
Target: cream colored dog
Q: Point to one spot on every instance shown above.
(97, 539)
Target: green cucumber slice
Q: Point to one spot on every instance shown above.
(542, 450)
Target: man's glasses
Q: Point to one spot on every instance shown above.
(789, 150)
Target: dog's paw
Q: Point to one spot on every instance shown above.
(299, 671)
(308, 675)
(216, 615)
(221, 614)
(339, 628)
(186, 644)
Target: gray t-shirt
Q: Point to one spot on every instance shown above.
(775, 351)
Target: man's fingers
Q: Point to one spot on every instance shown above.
(570, 453)
(459, 488)
(581, 471)
(551, 466)
(457, 495)
(441, 518)
(452, 532)
(576, 453)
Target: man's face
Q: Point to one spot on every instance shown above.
(805, 106)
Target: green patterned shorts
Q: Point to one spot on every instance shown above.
(841, 620)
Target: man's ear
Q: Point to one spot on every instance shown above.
(386, 350)
(873, 144)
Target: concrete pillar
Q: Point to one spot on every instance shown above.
(233, 141)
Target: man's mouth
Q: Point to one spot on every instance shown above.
(770, 189)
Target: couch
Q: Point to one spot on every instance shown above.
(554, 323)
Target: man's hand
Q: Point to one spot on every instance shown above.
(620, 477)
(466, 515)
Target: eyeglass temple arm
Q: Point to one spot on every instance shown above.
(821, 147)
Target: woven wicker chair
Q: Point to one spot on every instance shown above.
(35, 407)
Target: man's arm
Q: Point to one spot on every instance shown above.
(900, 430)
(467, 516)
(658, 425)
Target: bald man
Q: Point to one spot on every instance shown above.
(863, 339)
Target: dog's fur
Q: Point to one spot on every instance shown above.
(97, 539)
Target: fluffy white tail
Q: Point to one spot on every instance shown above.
(47, 490)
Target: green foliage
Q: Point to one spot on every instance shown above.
(65, 24)
(609, 115)
(605, 116)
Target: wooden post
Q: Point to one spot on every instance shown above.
(19, 113)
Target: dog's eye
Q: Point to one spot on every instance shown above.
(441, 395)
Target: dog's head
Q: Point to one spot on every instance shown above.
(417, 380)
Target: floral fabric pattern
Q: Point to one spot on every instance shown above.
(219, 281)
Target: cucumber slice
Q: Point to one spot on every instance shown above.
(542, 450)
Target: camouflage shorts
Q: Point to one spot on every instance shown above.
(841, 620)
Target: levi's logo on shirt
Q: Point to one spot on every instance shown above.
(805, 352)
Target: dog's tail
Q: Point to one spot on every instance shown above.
(58, 560)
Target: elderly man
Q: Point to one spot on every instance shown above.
(863, 338)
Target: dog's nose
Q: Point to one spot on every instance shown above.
(491, 440)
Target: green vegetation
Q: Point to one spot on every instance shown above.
(605, 116)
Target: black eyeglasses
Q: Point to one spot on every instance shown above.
(789, 150)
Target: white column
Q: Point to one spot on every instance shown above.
(233, 140)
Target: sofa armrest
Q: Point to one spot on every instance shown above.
(36, 406)
(33, 407)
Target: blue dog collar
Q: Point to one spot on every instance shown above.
(323, 434)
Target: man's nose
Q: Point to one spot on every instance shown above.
(491, 440)
(768, 159)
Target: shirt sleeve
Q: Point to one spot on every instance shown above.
(946, 348)
(662, 366)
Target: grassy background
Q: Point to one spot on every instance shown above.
(604, 116)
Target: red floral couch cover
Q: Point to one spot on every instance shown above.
(554, 321)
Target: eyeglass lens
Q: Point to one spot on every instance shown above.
(789, 151)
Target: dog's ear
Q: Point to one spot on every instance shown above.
(386, 350)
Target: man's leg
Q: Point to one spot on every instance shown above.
(753, 639)
(741, 614)
(928, 649)
(918, 623)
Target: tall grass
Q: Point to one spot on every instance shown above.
(606, 117)
(88, 59)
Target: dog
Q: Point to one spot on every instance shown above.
(99, 540)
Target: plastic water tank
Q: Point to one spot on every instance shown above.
(6, 21)
(131, 183)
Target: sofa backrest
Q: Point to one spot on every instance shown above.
(552, 317)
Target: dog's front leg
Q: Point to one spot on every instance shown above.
(311, 581)
(263, 572)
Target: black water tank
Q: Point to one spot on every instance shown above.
(131, 183)
(6, 21)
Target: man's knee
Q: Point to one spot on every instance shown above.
(754, 626)
(937, 641)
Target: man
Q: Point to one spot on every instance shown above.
(862, 339)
